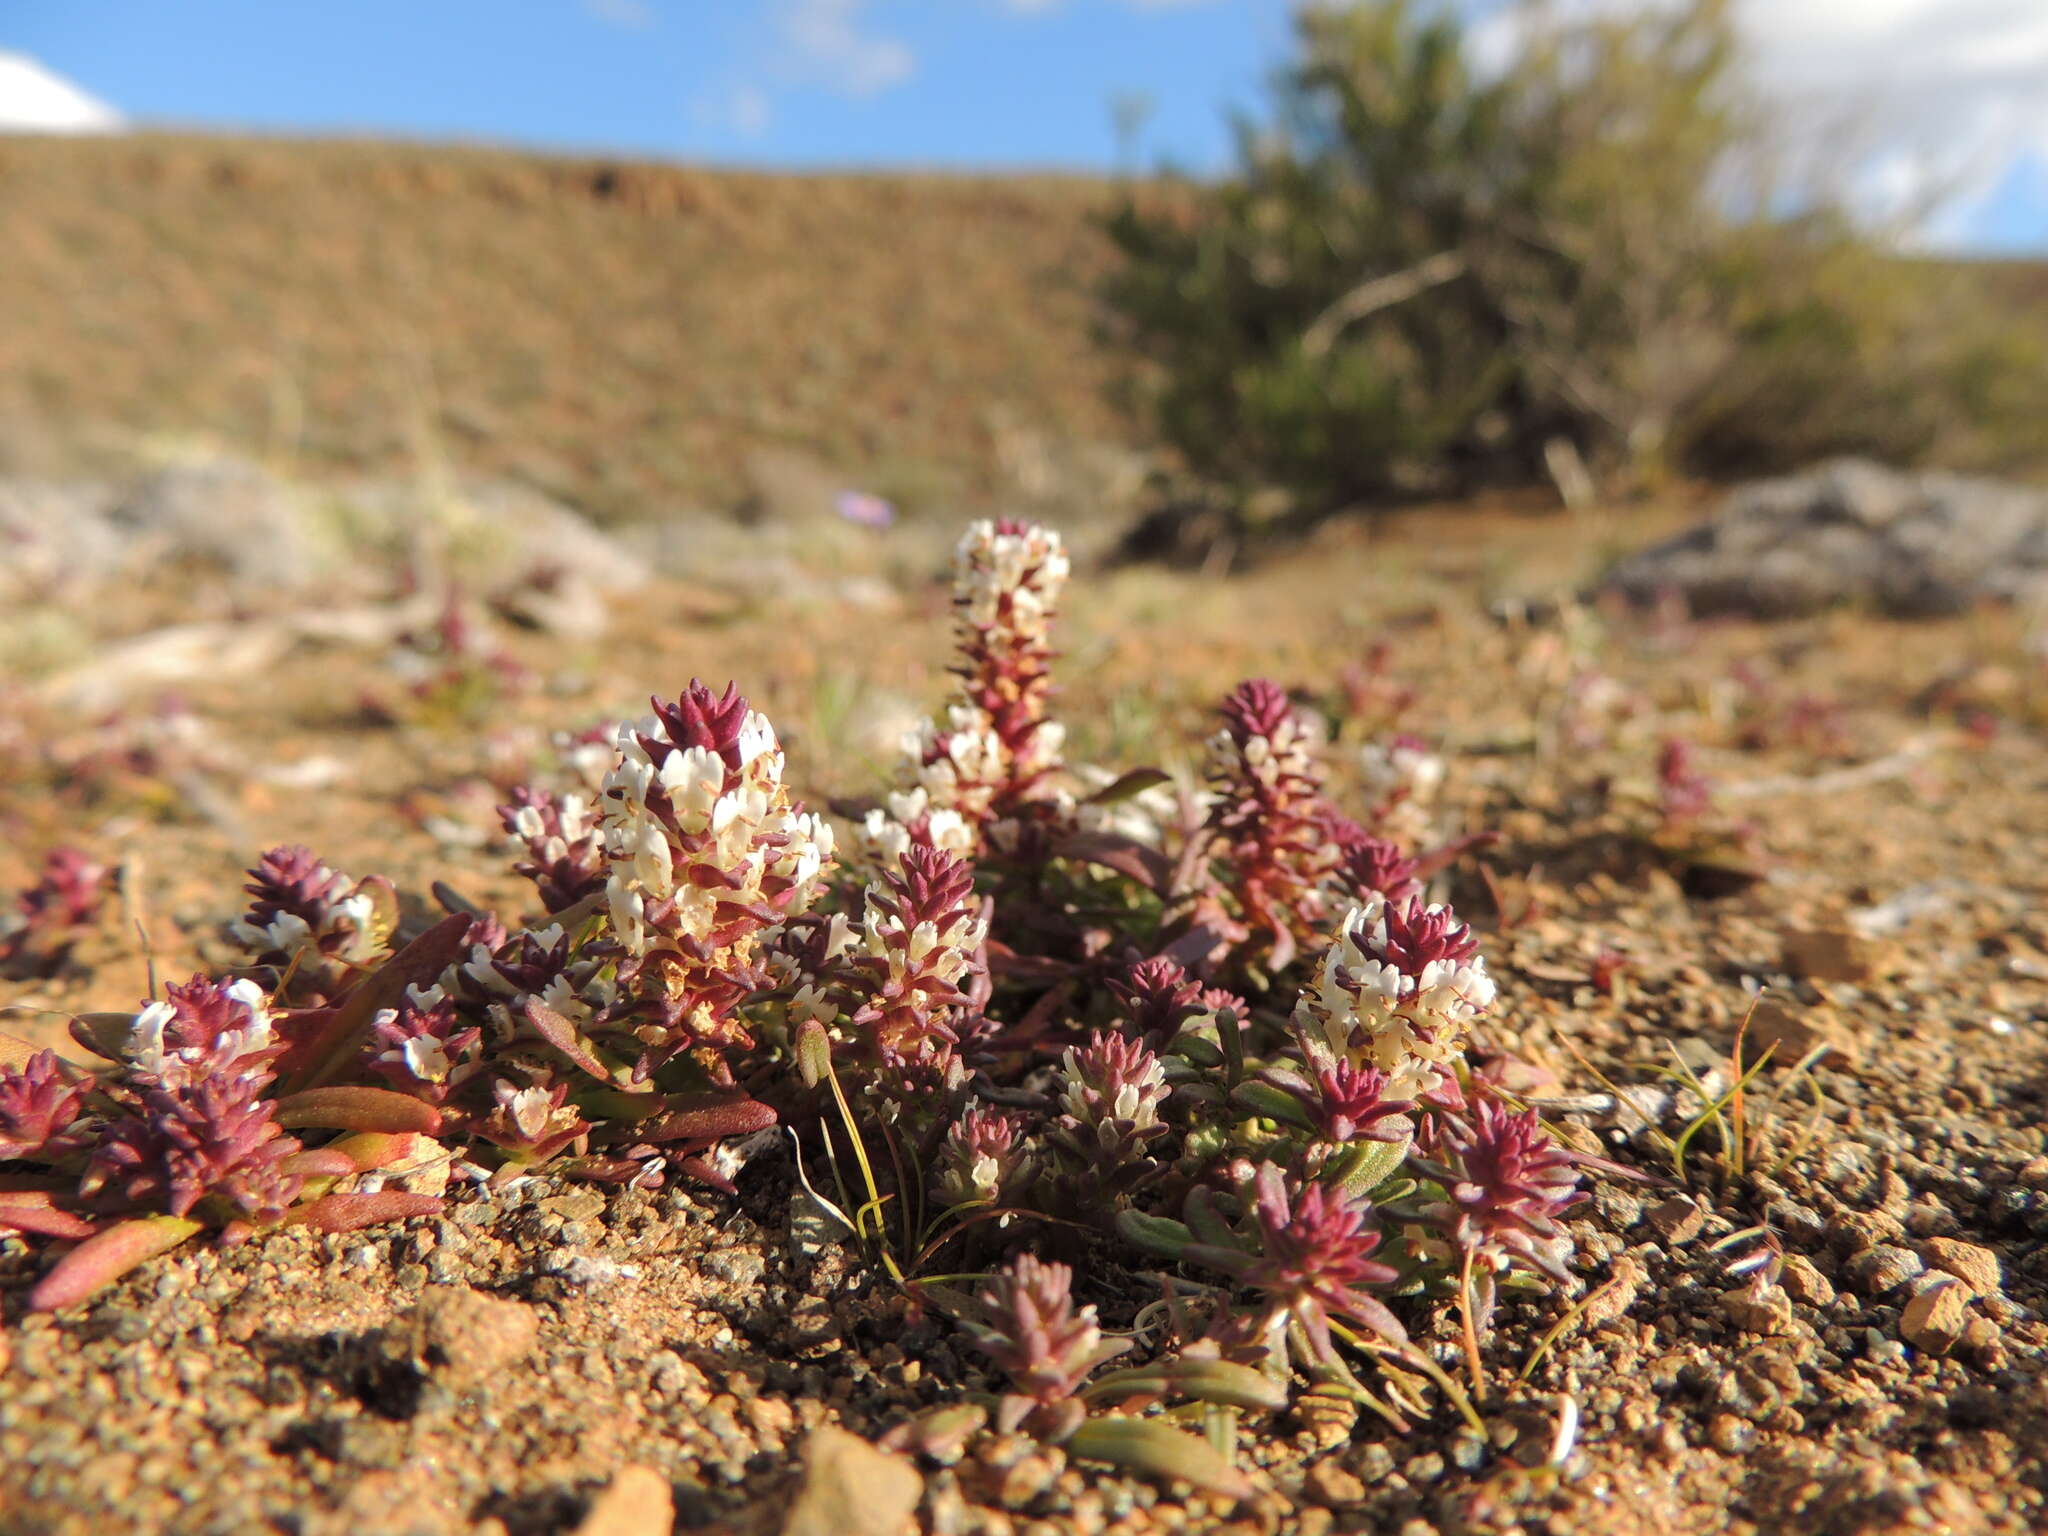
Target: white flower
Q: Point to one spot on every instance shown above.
(1364, 1005)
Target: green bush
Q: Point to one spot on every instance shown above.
(1422, 278)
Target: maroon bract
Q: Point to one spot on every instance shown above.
(1270, 816)
(39, 1110)
(1507, 1183)
(51, 914)
(922, 930)
(1047, 1347)
(1311, 1257)
(192, 1140)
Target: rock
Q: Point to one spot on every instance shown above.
(849, 1488)
(1935, 1319)
(1331, 1486)
(1796, 1032)
(56, 537)
(1805, 1284)
(1677, 1220)
(1852, 531)
(636, 1502)
(1829, 954)
(1976, 1267)
(1884, 1268)
(227, 513)
(1768, 1313)
(465, 1337)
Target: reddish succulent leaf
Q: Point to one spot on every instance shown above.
(704, 1173)
(1148, 866)
(330, 1048)
(348, 1213)
(101, 1260)
(102, 1033)
(320, 1163)
(356, 1108)
(709, 1122)
(35, 1211)
(1127, 786)
(379, 1149)
(564, 1037)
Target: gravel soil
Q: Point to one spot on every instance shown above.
(1831, 1321)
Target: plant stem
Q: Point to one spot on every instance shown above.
(1472, 1365)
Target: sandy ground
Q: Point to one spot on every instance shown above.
(1881, 796)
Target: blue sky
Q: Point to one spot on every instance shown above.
(1955, 87)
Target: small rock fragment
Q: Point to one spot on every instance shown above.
(1769, 1312)
(636, 1502)
(1677, 1220)
(1805, 1284)
(1829, 954)
(466, 1337)
(1796, 1032)
(1935, 1319)
(850, 1488)
(1976, 1267)
(1884, 1268)
(1332, 1487)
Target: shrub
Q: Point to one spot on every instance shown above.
(1424, 277)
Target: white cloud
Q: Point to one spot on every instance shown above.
(1929, 102)
(35, 100)
(744, 109)
(632, 15)
(824, 43)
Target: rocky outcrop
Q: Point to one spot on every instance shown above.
(1852, 531)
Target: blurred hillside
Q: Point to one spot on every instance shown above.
(634, 339)
(631, 338)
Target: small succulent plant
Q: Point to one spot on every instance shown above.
(51, 915)
(1229, 1034)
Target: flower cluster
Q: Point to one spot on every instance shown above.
(1506, 1182)
(989, 758)
(1111, 1091)
(1159, 998)
(982, 1159)
(1369, 867)
(1310, 1254)
(204, 1029)
(315, 925)
(1270, 815)
(1401, 778)
(1684, 793)
(920, 935)
(424, 1047)
(1346, 1103)
(37, 937)
(705, 853)
(1046, 1347)
(1398, 990)
(190, 1138)
(564, 845)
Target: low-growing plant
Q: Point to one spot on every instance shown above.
(1038, 1033)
